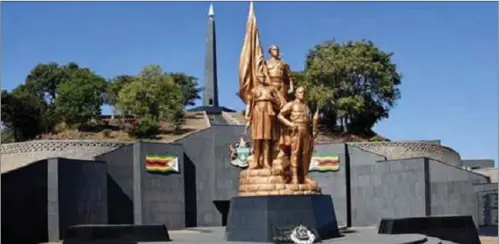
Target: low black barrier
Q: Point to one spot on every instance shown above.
(122, 234)
(458, 229)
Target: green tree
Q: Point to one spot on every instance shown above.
(113, 89)
(22, 114)
(153, 96)
(360, 80)
(189, 86)
(44, 79)
(80, 97)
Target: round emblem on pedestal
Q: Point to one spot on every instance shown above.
(302, 235)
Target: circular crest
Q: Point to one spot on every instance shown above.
(302, 235)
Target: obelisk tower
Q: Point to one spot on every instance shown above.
(210, 96)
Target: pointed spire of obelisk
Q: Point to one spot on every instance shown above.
(210, 96)
(211, 12)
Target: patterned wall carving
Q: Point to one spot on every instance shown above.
(402, 150)
(15, 155)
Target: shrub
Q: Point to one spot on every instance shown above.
(144, 127)
(376, 139)
(60, 127)
(107, 133)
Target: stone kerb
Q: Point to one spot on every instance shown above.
(15, 155)
(403, 150)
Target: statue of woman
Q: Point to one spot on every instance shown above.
(264, 102)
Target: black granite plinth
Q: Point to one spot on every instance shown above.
(257, 218)
(125, 234)
(458, 229)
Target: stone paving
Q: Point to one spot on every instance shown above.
(215, 235)
(354, 235)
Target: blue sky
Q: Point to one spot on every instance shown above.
(447, 52)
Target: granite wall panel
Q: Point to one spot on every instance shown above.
(387, 189)
(162, 194)
(190, 192)
(25, 204)
(451, 190)
(199, 151)
(359, 157)
(82, 192)
(120, 184)
(442, 172)
(226, 175)
(487, 203)
(41, 200)
(217, 181)
(53, 216)
(334, 183)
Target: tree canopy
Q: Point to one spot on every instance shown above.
(352, 84)
(22, 114)
(153, 95)
(54, 94)
(80, 97)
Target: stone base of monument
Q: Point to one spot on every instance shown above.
(458, 229)
(274, 218)
(97, 234)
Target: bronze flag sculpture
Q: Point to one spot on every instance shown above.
(282, 131)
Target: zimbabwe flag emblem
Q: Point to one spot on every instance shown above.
(161, 163)
(325, 163)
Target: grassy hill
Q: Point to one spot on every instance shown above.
(115, 129)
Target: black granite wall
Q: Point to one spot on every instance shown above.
(226, 175)
(217, 181)
(162, 199)
(451, 189)
(41, 200)
(411, 188)
(387, 189)
(24, 204)
(335, 183)
(361, 157)
(359, 161)
(365, 189)
(82, 193)
(136, 196)
(119, 184)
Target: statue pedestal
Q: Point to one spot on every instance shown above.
(259, 218)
